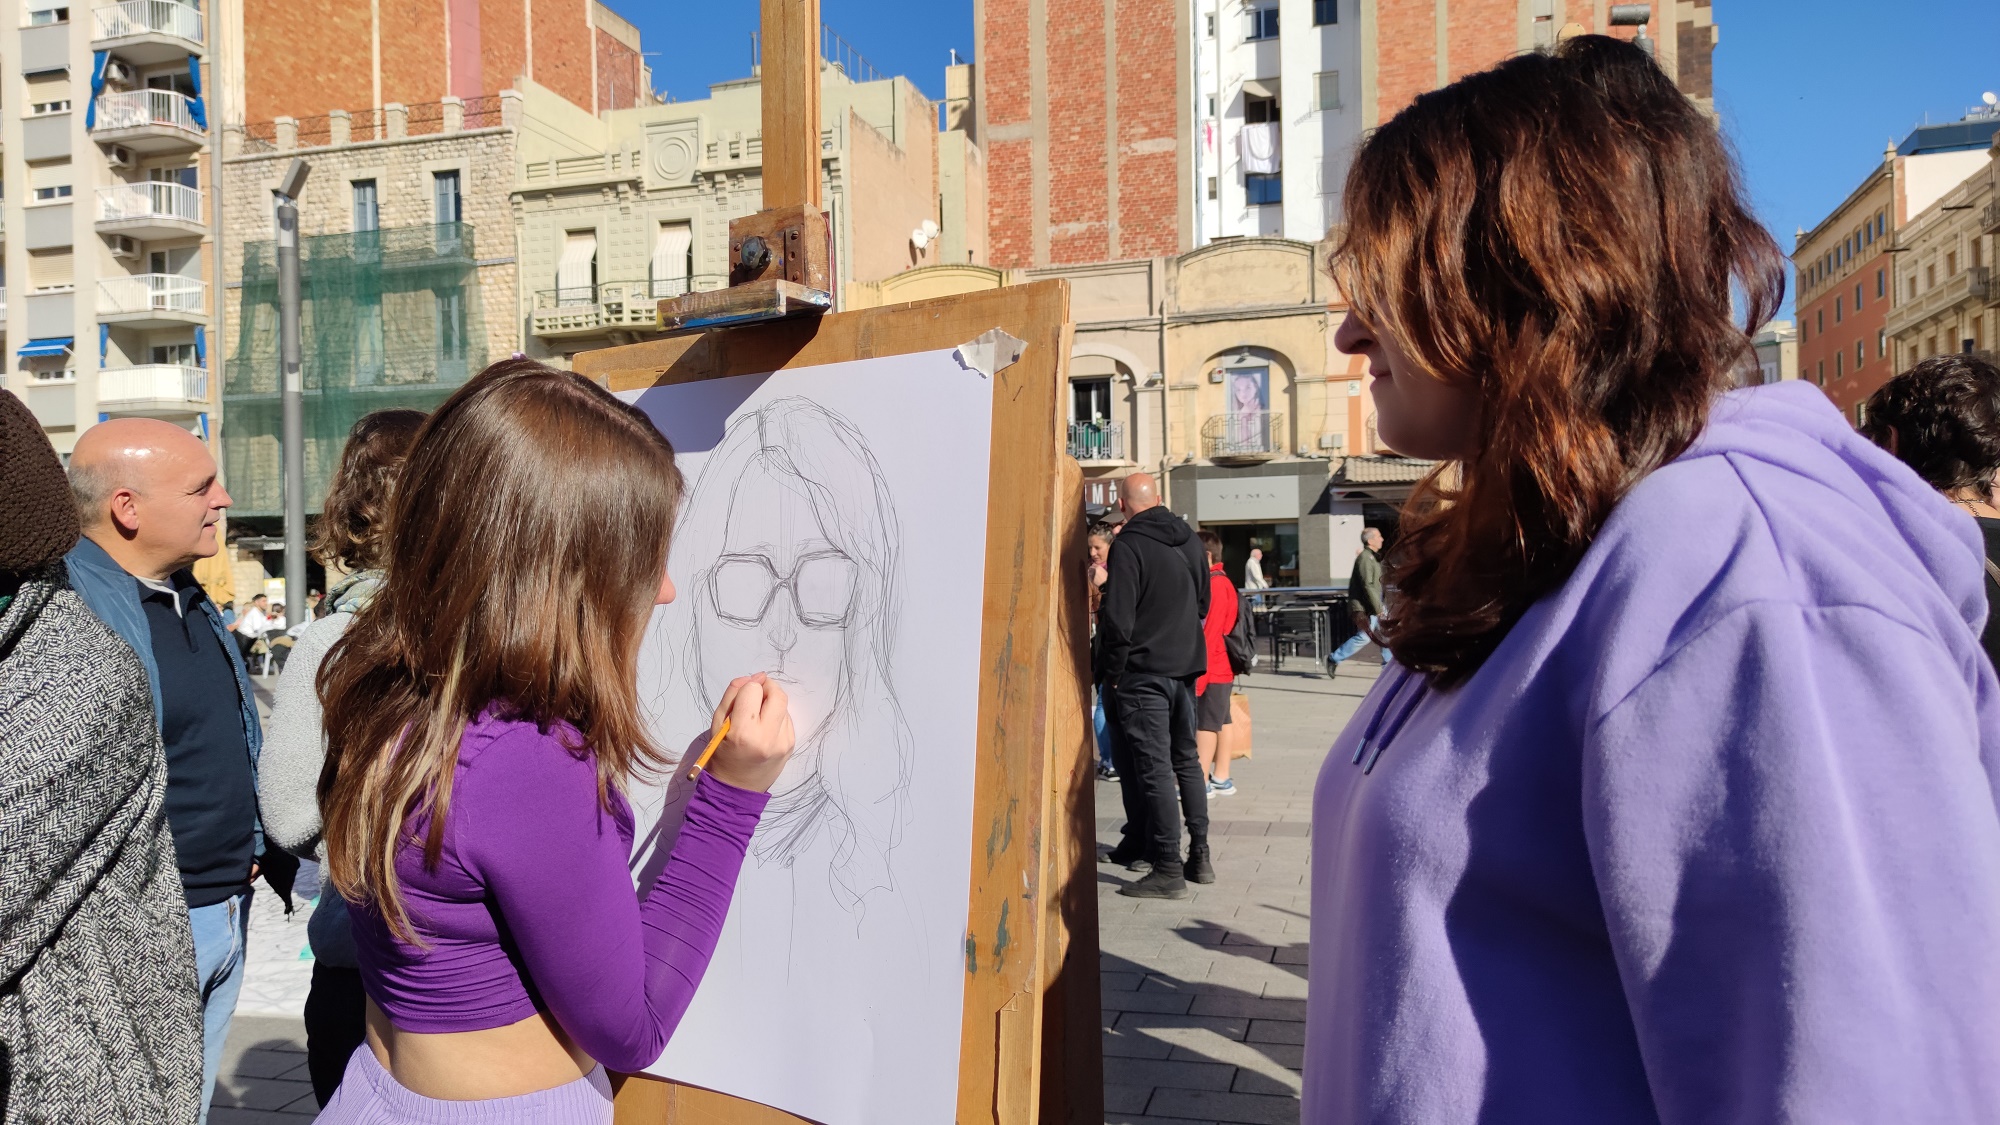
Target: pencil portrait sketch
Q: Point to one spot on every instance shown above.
(805, 587)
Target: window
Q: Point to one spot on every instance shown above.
(1882, 282)
(1264, 189)
(1930, 276)
(1857, 296)
(186, 177)
(43, 109)
(370, 353)
(44, 194)
(1211, 105)
(1838, 304)
(1325, 12)
(673, 259)
(44, 16)
(1839, 363)
(51, 269)
(1951, 264)
(1327, 85)
(1868, 235)
(451, 329)
(1860, 354)
(1913, 287)
(576, 273)
(1819, 325)
(1208, 23)
(1259, 111)
(1263, 23)
(181, 354)
(1881, 343)
(1819, 373)
(1211, 187)
(1090, 400)
(447, 207)
(1860, 415)
(178, 82)
(367, 207)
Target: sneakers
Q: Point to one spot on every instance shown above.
(1198, 869)
(1332, 667)
(1224, 788)
(1106, 773)
(1157, 885)
(1130, 861)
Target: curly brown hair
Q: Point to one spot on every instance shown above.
(352, 528)
(1942, 418)
(1559, 235)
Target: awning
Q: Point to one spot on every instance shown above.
(50, 346)
(1261, 87)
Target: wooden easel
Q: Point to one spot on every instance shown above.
(1030, 1049)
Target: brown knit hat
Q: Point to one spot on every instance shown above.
(38, 521)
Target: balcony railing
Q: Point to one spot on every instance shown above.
(144, 17)
(1243, 436)
(1097, 441)
(582, 309)
(148, 201)
(152, 382)
(1989, 217)
(1979, 283)
(151, 292)
(131, 109)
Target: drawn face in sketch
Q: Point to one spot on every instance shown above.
(782, 593)
(803, 586)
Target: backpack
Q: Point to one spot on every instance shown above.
(1240, 642)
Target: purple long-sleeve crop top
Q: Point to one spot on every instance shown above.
(531, 908)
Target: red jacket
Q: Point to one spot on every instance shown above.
(1221, 619)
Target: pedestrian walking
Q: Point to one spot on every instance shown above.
(1942, 419)
(1253, 571)
(149, 499)
(482, 720)
(1154, 602)
(351, 536)
(1364, 600)
(1678, 803)
(1217, 682)
(99, 1021)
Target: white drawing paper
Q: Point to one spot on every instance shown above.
(833, 534)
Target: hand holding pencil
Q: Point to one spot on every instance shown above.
(751, 735)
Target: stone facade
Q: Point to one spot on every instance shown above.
(1946, 297)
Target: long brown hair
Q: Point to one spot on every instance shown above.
(1558, 234)
(525, 552)
(353, 525)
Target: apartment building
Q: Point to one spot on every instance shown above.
(1133, 128)
(635, 206)
(1846, 266)
(1773, 355)
(1946, 299)
(109, 219)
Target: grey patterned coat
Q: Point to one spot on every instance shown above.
(99, 1011)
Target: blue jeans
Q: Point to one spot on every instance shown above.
(1355, 643)
(220, 933)
(1102, 728)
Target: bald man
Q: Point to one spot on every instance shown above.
(149, 499)
(1151, 651)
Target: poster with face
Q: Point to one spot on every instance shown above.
(837, 989)
(1249, 404)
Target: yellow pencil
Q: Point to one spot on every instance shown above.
(714, 741)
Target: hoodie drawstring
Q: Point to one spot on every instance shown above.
(1403, 680)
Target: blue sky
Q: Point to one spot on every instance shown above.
(1808, 91)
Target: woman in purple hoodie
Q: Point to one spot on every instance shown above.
(1679, 803)
(482, 724)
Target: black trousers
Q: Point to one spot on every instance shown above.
(336, 1024)
(1154, 719)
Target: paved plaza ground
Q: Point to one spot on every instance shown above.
(1203, 999)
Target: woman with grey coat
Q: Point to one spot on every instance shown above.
(352, 534)
(100, 1016)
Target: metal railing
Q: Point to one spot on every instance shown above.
(1246, 435)
(130, 109)
(148, 201)
(1989, 216)
(1097, 441)
(1979, 283)
(143, 17)
(150, 382)
(151, 292)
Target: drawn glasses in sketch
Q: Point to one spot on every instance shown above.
(821, 585)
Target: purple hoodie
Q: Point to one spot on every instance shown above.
(1711, 838)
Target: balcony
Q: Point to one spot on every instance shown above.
(616, 306)
(146, 32)
(1968, 286)
(3, 305)
(1099, 442)
(150, 210)
(1989, 217)
(152, 300)
(1243, 438)
(153, 390)
(149, 121)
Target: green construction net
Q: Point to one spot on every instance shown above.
(388, 318)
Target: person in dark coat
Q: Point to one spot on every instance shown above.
(1151, 653)
(99, 1017)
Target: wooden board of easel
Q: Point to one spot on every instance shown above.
(1029, 1046)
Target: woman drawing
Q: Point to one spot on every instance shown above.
(804, 585)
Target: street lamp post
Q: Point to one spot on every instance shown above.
(285, 214)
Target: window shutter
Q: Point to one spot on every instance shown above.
(51, 269)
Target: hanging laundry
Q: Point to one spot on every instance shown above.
(1259, 145)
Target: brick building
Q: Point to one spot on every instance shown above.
(1846, 272)
(1128, 128)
